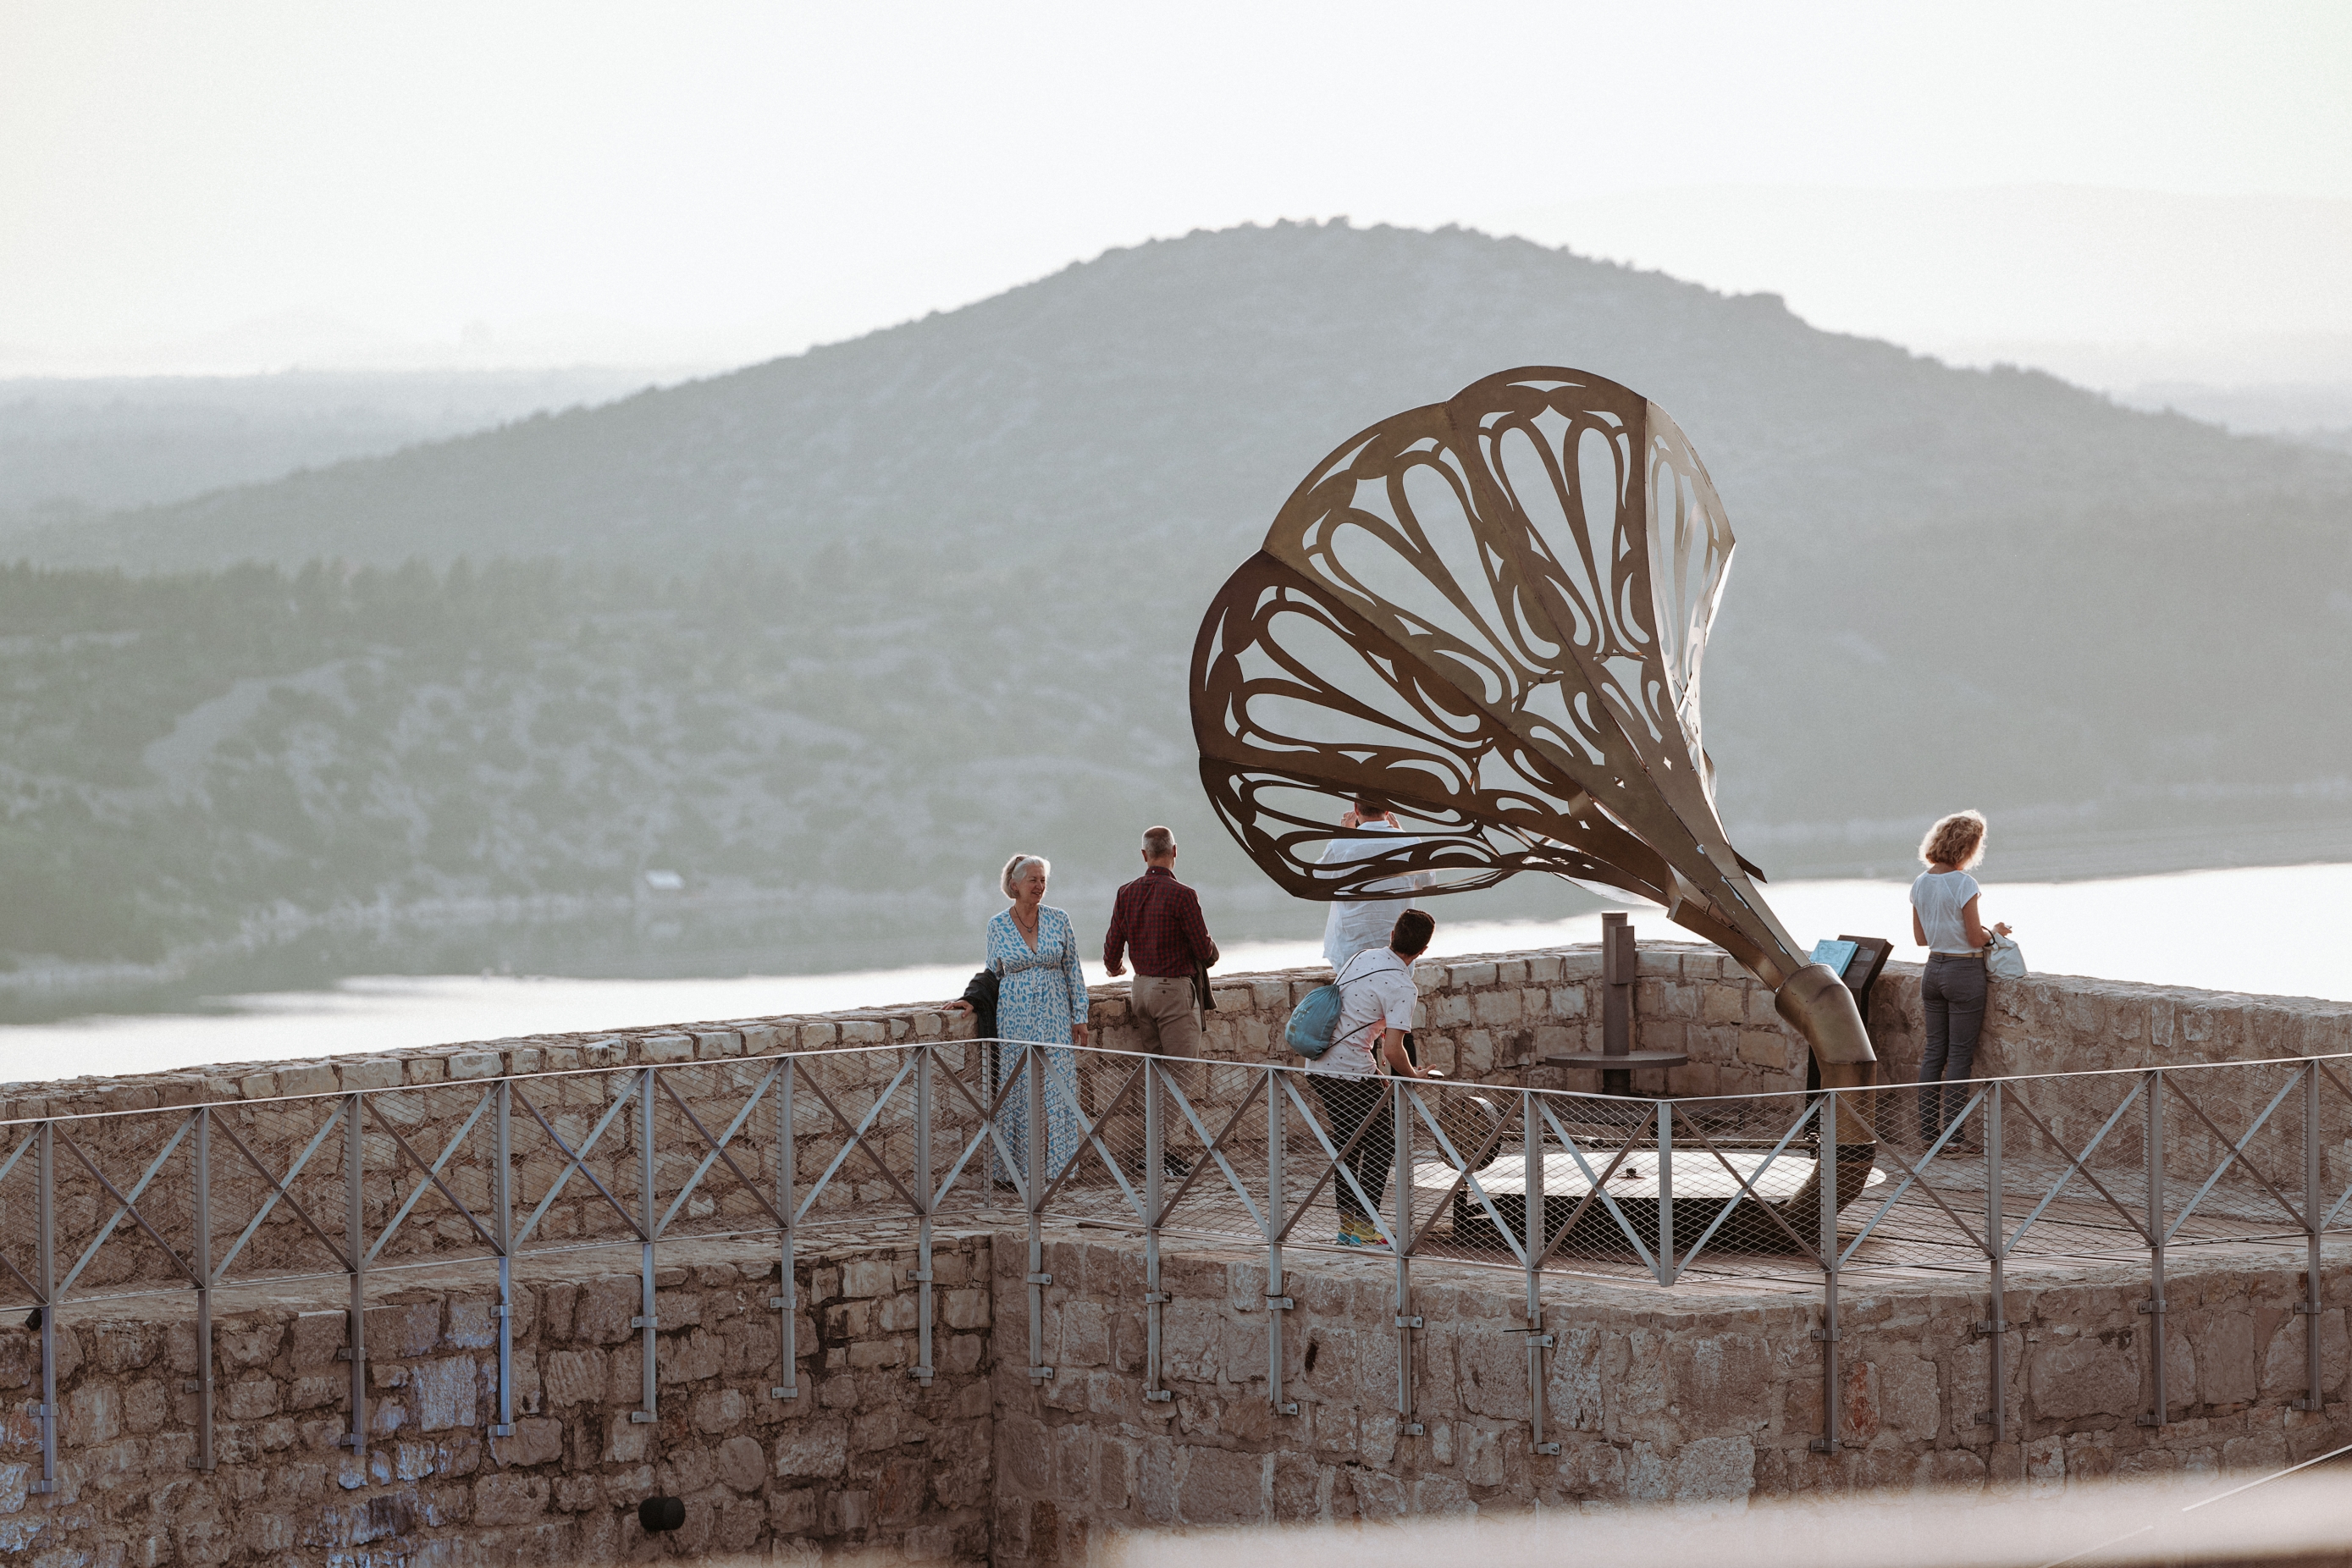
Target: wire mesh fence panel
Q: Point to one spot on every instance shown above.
(122, 1214)
(2074, 1165)
(1748, 1182)
(971, 1168)
(1916, 1197)
(281, 1189)
(430, 1169)
(1598, 1185)
(571, 1143)
(20, 1214)
(1215, 1152)
(1098, 1173)
(1457, 1140)
(2332, 1162)
(853, 1117)
(2234, 1142)
(714, 1170)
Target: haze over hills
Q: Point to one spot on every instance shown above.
(70, 446)
(859, 622)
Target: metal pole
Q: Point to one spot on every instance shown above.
(2312, 1303)
(1535, 1222)
(1406, 1322)
(1619, 962)
(45, 1222)
(203, 1268)
(1996, 1251)
(1155, 1300)
(2154, 1306)
(1825, 1175)
(923, 1196)
(1663, 1117)
(1034, 1148)
(647, 1320)
(1276, 1303)
(502, 1196)
(786, 1300)
(355, 1237)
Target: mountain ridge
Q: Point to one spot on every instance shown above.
(869, 619)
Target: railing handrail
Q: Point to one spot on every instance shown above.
(1275, 1064)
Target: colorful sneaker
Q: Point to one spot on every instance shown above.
(1360, 1233)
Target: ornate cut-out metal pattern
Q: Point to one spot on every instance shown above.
(1491, 611)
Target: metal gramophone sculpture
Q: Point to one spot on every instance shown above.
(1490, 611)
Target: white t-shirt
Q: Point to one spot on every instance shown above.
(1376, 993)
(1358, 925)
(1939, 897)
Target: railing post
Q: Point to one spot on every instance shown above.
(786, 1300)
(202, 1226)
(1276, 1303)
(924, 1196)
(1535, 1222)
(1663, 1117)
(1399, 1104)
(647, 1321)
(1033, 1060)
(1825, 1182)
(2153, 1308)
(502, 1197)
(1996, 1252)
(45, 1159)
(355, 1239)
(2313, 1304)
(1155, 1300)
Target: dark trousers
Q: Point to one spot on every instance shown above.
(1349, 1104)
(1952, 994)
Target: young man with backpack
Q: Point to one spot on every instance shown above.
(1376, 1002)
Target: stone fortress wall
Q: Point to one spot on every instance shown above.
(1654, 1395)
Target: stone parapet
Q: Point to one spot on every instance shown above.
(1485, 1018)
(1655, 1396)
(865, 1457)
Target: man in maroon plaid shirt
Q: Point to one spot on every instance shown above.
(1158, 919)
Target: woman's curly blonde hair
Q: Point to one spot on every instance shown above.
(1958, 840)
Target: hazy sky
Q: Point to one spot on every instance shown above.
(231, 187)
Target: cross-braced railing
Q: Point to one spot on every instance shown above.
(885, 1144)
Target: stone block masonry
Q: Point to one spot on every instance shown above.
(864, 1457)
(1710, 1396)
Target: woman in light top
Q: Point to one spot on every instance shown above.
(1944, 921)
(1041, 998)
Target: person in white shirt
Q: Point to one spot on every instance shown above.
(1361, 925)
(1944, 921)
(1376, 1002)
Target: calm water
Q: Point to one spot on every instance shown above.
(2281, 929)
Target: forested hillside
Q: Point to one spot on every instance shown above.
(857, 623)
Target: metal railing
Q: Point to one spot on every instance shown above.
(886, 1142)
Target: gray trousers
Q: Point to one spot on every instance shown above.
(1168, 1016)
(1952, 996)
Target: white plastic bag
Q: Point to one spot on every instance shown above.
(2004, 959)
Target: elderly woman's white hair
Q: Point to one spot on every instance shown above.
(1018, 868)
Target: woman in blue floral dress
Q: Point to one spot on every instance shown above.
(1041, 998)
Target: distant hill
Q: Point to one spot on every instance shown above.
(1180, 389)
(73, 447)
(866, 618)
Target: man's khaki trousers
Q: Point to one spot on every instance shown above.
(1169, 1019)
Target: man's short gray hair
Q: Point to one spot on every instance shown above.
(1157, 841)
(1018, 868)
